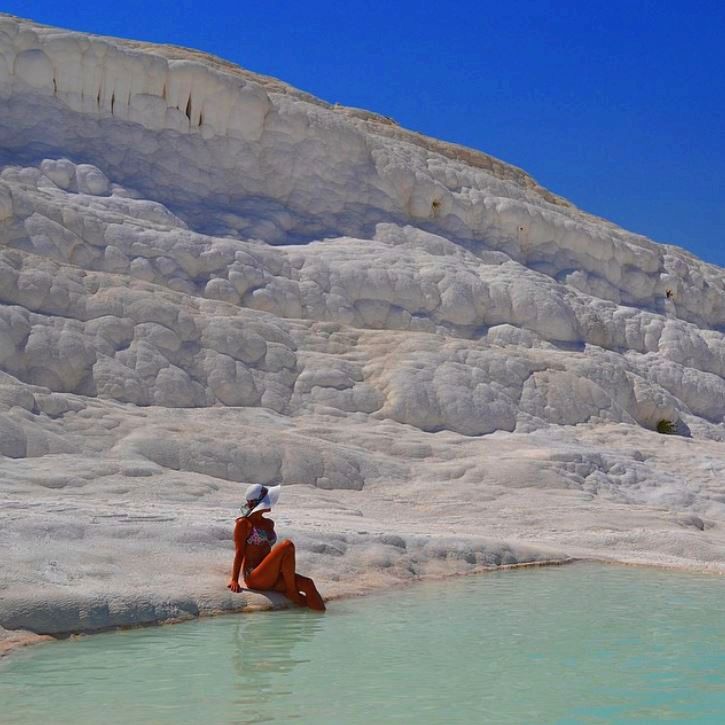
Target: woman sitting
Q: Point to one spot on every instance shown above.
(266, 564)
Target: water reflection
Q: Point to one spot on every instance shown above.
(267, 647)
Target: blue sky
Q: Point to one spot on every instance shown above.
(618, 106)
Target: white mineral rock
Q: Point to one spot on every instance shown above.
(208, 279)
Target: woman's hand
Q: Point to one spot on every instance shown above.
(234, 585)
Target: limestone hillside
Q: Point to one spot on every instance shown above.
(207, 272)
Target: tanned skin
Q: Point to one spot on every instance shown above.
(270, 568)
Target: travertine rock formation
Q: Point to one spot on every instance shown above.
(208, 278)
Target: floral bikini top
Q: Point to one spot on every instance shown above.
(259, 536)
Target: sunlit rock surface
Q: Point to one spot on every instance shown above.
(209, 279)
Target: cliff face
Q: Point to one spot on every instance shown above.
(205, 270)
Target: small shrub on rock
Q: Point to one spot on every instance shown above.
(666, 427)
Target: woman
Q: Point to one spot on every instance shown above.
(266, 564)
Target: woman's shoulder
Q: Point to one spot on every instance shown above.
(241, 529)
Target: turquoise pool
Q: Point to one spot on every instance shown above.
(582, 643)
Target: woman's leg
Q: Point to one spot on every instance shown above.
(308, 588)
(277, 571)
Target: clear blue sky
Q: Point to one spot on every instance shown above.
(618, 105)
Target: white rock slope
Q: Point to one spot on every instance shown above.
(208, 278)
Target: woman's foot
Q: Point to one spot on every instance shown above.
(299, 599)
(315, 601)
(312, 596)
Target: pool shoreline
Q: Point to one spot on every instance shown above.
(22, 639)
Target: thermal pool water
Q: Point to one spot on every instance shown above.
(581, 643)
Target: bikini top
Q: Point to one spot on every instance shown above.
(259, 536)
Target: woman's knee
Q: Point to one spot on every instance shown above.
(286, 545)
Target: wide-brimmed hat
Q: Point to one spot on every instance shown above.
(265, 496)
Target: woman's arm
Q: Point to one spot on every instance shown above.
(240, 545)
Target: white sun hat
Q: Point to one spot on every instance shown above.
(265, 496)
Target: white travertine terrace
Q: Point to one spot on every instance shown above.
(208, 278)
